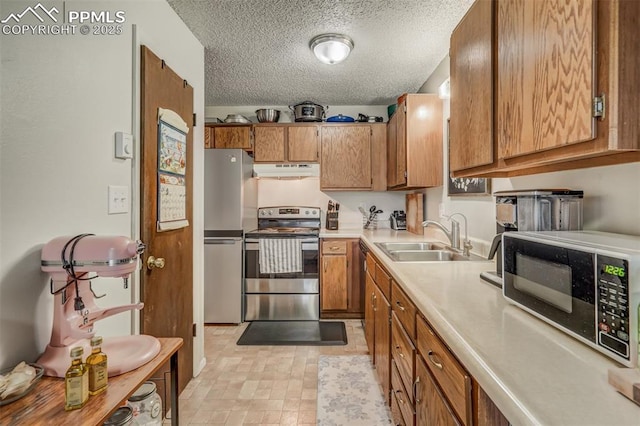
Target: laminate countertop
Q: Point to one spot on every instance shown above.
(533, 372)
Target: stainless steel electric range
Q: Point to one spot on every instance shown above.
(287, 291)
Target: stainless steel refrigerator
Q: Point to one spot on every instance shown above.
(230, 209)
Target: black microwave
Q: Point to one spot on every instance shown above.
(585, 283)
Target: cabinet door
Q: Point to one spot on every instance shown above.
(382, 344)
(369, 314)
(401, 145)
(303, 143)
(232, 137)
(334, 282)
(546, 63)
(346, 157)
(471, 62)
(208, 137)
(391, 150)
(269, 144)
(431, 407)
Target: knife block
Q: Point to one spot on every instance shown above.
(331, 222)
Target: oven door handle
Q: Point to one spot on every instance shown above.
(305, 246)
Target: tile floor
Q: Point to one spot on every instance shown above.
(265, 385)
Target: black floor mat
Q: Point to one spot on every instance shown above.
(295, 333)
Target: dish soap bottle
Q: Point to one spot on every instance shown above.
(97, 365)
(76, 389)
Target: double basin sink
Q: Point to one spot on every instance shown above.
(423, 252)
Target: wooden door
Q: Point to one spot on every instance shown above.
(401, 145)
(431, 407)
(471, 61)
(369, 314)
(167, 293)
(232, 137)
(382, 345)
(392, 150)
(303, 144)
(546, 63)
(334, 282)
(346, 157)
(268, 144)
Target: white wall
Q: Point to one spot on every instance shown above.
(306, 192)
(63, 98)
(611, 193)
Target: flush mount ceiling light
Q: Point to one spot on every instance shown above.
(331, 48)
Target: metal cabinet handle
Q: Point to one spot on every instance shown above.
(374, 301)
(399, 305)
(415, 389)
(334, 248)
(431, 357)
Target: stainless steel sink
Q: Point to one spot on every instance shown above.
(424, 252)
(410, 246)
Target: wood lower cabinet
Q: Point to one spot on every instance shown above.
(431, 406)
(382, 341)
(341, 292)
(370, 315)
(566, 96)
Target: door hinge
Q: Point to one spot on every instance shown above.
(195, 330)
(194, 119)
(599, 107)
(405, 174)
(371, 131)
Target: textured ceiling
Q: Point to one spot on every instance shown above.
(257, 51)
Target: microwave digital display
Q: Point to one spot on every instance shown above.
(617, 271)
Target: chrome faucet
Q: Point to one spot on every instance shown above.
(454, 234)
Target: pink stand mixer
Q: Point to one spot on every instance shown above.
(71, 261)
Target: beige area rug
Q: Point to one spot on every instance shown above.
(348, 393)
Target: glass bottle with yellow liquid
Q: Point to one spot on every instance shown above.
(76, 389)
(97, 365)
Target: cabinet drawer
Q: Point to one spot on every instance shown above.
(403, 352)
(383, 280)
(334, 247)
(452, 378)
(400, 397)
(371, 266)
(404, 309)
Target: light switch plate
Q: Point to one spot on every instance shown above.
(118, 199)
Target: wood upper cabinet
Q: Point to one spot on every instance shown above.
(345, 158)
(471, 77)
(303, 143)
(414, 157)
(546, 84)
(269, 144)
(341, 292)
(232, 137)
(291, 143)
(564, 85)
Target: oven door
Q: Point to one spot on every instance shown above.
(286, 296)
(553, 282)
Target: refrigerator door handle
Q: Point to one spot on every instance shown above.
(220, 241)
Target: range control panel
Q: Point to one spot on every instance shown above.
(613, 304)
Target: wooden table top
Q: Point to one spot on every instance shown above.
(44, 405)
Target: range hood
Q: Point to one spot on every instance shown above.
(286, 171)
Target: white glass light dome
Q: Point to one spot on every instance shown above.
(331, 48)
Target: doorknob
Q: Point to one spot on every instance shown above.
(155, 262)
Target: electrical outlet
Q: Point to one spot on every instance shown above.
(441, 211)
(118, 199)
